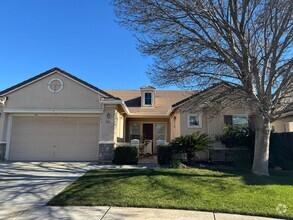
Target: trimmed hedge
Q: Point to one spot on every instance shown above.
(125, 155)
(165, 154)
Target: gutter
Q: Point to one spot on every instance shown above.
(116, 102)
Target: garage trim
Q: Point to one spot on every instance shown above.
(11, 117)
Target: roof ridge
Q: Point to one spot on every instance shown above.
(25, 82)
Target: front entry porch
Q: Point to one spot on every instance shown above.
(147, 134)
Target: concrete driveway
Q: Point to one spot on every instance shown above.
(27, 184)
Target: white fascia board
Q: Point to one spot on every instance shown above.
(106, 142)
(49, 74)
(111, 102)
(116, 102)
(31, 82)
(125, 108)
(147, 116)
(81, 84)
(53, 111)
(198, 95)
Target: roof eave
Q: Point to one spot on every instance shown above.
(49, 72)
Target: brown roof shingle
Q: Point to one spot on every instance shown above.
(164, 99)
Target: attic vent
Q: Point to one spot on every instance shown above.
(3, 100)
(55, 85)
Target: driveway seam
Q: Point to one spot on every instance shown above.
(26, 208)
(214, 214)
(106, 212)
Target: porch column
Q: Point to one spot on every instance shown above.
(107, 130)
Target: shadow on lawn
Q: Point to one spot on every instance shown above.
(276, 177)
(217, 180)
(113, 177)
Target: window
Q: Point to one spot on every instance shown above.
(134, 131)
(240, 120)
(148, 98)
(195, 120)
(160, 132)
(237, 120)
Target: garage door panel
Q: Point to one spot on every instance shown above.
(54, 139)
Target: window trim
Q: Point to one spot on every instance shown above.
(140, 129)
(199, 115)
(152, 99)
(240, 115)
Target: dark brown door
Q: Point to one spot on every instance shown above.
(148, 131)
(148, 134)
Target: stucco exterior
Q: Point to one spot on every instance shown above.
(284, 124)
(80, 102)
(76, 100)
(37, 96)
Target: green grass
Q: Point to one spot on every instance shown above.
(192, 189)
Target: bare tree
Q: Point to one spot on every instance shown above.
(246, 43)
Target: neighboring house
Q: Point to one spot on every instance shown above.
(284, 124)
(55, 116)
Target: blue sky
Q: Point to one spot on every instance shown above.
(78, 36)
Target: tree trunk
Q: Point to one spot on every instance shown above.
(261, 149)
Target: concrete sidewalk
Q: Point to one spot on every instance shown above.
(113, 213)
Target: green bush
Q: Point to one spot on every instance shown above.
(125, 155)
(176, 164)
(191, 144)
(236, 136)
(165, 154)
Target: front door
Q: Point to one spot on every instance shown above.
(148, 135)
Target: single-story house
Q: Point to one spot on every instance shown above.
(56, 116)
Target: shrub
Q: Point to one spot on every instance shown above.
(236, 136)
(176, 164)
(125, 155)
(191, 144)
(165, 154)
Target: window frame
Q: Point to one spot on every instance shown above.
(149, 98)
(239, 115)
(199, 116)
(136, 134)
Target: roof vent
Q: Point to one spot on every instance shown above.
(147, 87)
(3, 99)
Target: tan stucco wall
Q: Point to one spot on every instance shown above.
(2, 125)
(107, 130)
(37, 96)
(175, 125)
(184, 129)
(74, 96)
(119, 127)
(211, 124)
(279, 124)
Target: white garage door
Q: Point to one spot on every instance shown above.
(54, 139)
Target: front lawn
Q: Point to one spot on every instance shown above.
(194, 189)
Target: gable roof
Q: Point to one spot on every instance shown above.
(181, 102)
(163, 100)
(62, 72)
